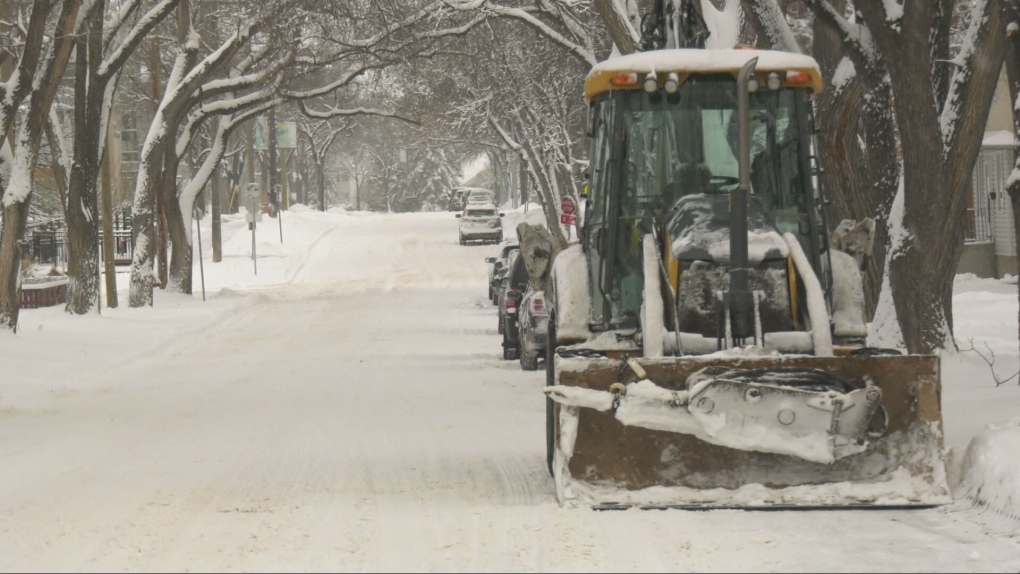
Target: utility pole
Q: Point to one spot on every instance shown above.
(271, 141)
(217, 233)
(524, 183)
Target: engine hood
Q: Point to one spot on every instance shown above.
(700, 231)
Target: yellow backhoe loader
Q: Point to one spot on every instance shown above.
(707, 343)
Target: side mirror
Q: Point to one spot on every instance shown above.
(457, 216)
(502, 215)
(490, 259)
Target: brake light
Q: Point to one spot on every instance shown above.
(511, 302)
(793, 77)
(628, 79)
(537, 305)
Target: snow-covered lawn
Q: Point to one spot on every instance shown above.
(348, 409)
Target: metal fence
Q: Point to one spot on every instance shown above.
(47, 245)
(988, 188)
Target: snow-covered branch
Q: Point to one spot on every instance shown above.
(774, 24)
(119, 55)
(964, 69)
(856, 35)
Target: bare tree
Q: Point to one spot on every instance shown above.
(101, 53)
(319, 138)
(49, 40)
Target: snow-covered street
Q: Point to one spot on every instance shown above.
(348, 409)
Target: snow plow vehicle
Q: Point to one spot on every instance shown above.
(707, 333)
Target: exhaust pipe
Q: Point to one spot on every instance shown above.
(740, 298)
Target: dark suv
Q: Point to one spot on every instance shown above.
(515, 284)
(497, 266)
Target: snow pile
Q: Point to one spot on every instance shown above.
(572, 293)
(990, 476)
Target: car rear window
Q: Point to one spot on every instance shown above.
(518, 274)
(480, 213)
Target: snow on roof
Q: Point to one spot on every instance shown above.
(998, 139)
(696, 60)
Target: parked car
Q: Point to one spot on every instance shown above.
(516, 283)
(479, 196)
(500, 282)
(533, 327)
(458, 200)
(480, 222)
(499, 263)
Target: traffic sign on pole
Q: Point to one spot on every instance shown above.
(567, 219)
(568, 206)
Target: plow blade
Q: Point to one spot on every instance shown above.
(671, 442)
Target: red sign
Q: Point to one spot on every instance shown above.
(567, 205)
(567, 219)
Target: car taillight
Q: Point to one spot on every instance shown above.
(537, 305)
(511, 302)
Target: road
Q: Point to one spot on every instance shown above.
(360, 418)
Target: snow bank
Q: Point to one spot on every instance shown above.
(989, 476)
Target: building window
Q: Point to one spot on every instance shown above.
(129, 137)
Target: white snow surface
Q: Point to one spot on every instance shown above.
(695, 60)
(990, 481)
(348, 409)
(1001, 138)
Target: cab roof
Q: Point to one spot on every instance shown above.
(698, 61)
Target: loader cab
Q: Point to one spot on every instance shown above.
(665, 141)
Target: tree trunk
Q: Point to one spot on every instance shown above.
(178, 271)
(143, 222)
(320, 172)
(12, 229)
(1012, 12)
(106, 204)
(937, 169)
(82, 212)
(215, 209)
(838, 111)
(25, 148)
(616, 26)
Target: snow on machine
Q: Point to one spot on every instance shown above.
(707, 332)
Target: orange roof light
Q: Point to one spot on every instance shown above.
(798, 78)
(628, 79)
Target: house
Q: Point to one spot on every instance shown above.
(990, 240)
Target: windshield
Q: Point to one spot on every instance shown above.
(687, 144)
(650, 150)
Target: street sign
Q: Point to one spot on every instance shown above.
(567, 219)
(567, 206)
(253, 203)
(286, 134)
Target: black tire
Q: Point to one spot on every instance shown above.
(501, 330)
(491, 294)
(529, 362)
(510, 349)
(550, 406)
(462, 240)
